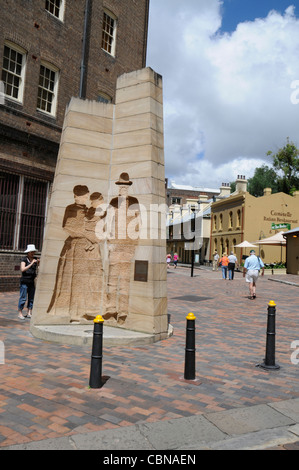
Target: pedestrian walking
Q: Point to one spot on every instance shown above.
(232, 265)
(215, 261)
(175, 260)
(168, 260)
(29, 264)
(252, 266)
(224, 263)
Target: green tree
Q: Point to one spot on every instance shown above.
(232, 186)
(264, 177)
(286, 162)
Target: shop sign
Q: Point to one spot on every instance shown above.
(280, 226)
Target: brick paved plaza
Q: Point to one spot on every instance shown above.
(44, 389)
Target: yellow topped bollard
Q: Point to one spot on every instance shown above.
(98, 319)
(189, 373)
(191, 316)
(269, 362)
(95, 380)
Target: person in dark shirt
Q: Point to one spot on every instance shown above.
(29, 265)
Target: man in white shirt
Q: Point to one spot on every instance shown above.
(233, 263)
(252, 266)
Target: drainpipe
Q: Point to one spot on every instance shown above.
(146, 20)
(85, 47)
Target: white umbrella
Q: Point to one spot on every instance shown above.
(245, 244)
(276, 239)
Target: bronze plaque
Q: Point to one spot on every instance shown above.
(141, 270)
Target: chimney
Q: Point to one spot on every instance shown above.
(224, 190)
(241, 184)
(203, 202)
(267, 191)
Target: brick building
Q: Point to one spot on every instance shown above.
(185, 203)
(51, 50)
(183, 195)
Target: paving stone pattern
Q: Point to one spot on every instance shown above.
(44, 389)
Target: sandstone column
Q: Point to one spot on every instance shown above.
(105, 147)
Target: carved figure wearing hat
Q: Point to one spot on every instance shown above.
(125, 222)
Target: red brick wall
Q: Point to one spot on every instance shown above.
(10, 271)
(44, 37)
(29, 139)
(60, 43)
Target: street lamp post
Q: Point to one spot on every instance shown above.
(192, 263)
(193, 231)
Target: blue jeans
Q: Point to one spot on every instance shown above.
(224, 272)
(24, 292)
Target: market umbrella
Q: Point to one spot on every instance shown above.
(245, 244)
(275, 240)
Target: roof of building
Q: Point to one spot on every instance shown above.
(183, 187)
(294, 230)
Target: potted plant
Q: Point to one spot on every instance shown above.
(275, 268)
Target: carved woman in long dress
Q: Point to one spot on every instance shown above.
(94, 271)
(74, 292)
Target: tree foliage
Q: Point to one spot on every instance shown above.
(286, 162)
(264, 177)
(282, 177)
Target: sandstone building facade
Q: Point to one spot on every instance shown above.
(243, 217)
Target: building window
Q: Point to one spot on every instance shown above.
(33, 211)
(220, 222)
(215, 222)
(9, 191)
(239, 218)
(47, 89)
(176, 200)
(109, 33)
(230, 220)
(13, 71)
(55, 7)
(104, 98)
(22, 211)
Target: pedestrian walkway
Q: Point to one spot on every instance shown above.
(145, 403)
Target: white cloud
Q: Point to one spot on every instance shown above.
(227, 97)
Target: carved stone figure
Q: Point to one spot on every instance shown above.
(124, 222)
(94, 266)
(78, 288)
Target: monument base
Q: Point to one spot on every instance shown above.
(82, 335)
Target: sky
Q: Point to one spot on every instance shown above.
(230, 73)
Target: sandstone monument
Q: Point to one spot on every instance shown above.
(105, 246)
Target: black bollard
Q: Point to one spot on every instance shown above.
(189, 373)
(269, 362)
(95, 380)
(192, 262)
